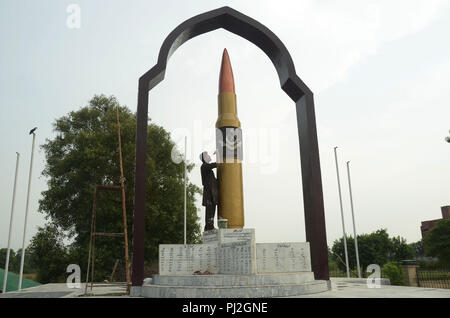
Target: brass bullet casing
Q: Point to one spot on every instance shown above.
(227, 111)
(229, 172)
(231, 199)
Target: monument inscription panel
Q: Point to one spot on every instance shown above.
(237, 258)
(179, 259)
(228, 235)
(283, 257)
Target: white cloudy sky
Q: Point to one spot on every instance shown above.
(379, 70)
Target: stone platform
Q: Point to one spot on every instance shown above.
(233, 286)
(231, 264)
(234, 280)
(340, 288)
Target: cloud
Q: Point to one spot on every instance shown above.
(328, 38)
(432, 86)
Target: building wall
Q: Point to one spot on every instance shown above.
(428, 225)
(445, 212)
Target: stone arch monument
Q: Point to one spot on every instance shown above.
(253, 31)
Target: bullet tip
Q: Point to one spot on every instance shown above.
(226, 80)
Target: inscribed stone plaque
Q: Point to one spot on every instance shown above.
(283, 257)
(238, 258)
(228, 235)
(179, 259)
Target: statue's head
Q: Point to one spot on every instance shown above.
(204, 157)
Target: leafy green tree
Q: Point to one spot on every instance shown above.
(400, 249)
(14, 261)
(84, 153)
(418, 249)
(338, 254)
(48, 252)
(393, 271)
(437, 242)
(373, 248)
(29, 263)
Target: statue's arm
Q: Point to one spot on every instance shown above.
(217, 158)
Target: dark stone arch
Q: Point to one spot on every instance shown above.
(241, 25)
(253, 31)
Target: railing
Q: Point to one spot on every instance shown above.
(353, 273)
(426, 277)
(339, 273)
(433, 278)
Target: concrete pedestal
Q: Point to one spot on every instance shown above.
(236, 286)
(230, 264)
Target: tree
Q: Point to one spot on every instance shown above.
(48, 253)
(393, 271)
(374, 248)
(437, 242)
(338, 253)
(418, 249)
(84, 153)
(401, 250)
(14, 261)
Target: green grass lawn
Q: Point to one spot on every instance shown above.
(12, 283)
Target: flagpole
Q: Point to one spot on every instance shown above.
(353, 218)
(5, 277)
(342, 215)
(26, 214)
(185, 151)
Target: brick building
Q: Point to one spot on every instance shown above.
(428, 225)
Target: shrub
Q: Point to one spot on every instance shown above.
(393, 271)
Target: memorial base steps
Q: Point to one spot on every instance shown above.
(236, 267)
(236, 291)
(234, 280)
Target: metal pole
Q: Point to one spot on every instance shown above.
(353, 219)
(5, 277)
(342, 214)
(94, 205)
(185, 151)
(124, 209)
(26, 215)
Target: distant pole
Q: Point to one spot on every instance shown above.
(342, 214)
(26, 211)
(124, 208)
(353, 218)
(185, 151)
(5, 277)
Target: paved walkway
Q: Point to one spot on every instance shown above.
(62, 291)
(340, 288)
(357, 288)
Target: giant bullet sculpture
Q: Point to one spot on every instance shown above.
(229, 146)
